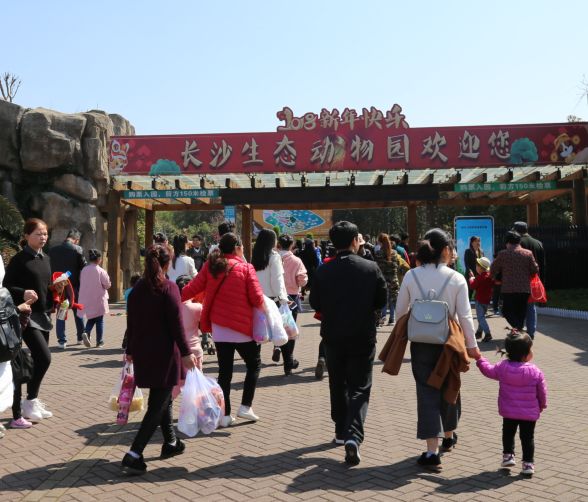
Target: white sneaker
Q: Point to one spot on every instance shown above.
(227, 421)
(35, 410)
(247, 413)
(62, 345)
(86, 340)
(508, 460)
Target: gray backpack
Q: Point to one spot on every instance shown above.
(429, 318)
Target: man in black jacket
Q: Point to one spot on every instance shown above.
(69, 257)
(536, 247)
(349, 291)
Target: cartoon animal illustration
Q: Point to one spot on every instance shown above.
(118, 157)
(564, 148)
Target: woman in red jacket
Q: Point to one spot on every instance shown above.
(231, 292)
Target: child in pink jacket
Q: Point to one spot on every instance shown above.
(522, 396)
(94, 285)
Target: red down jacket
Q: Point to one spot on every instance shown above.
(233, 306)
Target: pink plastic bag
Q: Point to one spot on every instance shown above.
(125, 397)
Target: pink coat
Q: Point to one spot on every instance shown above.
(295, 274)
(522, 393)
(233, 306)
(94, 284)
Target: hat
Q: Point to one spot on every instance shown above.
(520, 227)
(484, 263)
(360, 239)
(60, 277)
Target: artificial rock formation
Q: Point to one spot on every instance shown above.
(55, 166)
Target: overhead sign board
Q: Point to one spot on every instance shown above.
(171, 194)
(349, 141)
(512, 186)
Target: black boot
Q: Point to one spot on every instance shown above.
(133, 466)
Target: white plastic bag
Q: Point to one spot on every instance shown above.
(289, 323)
(261, 328)
(137, 404)
(279, 336)
(6, 386)
(202, 406)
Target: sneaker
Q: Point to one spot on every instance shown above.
(247, 413)
(337, 441)
(86, 340)
(21, 423)
(321, 366)
(487, 338)
(227, 421)
(288, 369)
(391, 322)
(34, 409)
(352, 456)
(276, 355)
(528, 468)
(508, 460)
(449, 443)
(432, 462)
(2, 434)
(168, 450)
(62, 345)
(99, 345)
(133, 466)
(2, 428)
(479, 334)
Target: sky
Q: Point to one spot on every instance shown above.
(219, 66)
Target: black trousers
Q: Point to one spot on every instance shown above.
(38, 343)
(251, 354)
(526, 433)
(288, 348)
(350, 369)
(514, 308)
(159, 412)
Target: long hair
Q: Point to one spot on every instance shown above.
(384, 241)
(179, 244)
(156, 258)
(217, 262)
(29, 227)
(431, 248)
(262, 250)
(477, 252)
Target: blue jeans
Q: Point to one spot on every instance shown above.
(99, 322)
(60, 327)
(390, 306)
(531, 319)
(481, 310)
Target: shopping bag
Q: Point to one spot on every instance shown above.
(538, 294)
(6, 386)
(288, 321)
(278, 334)
(261, 328)
(137, 403)
(202, 405)
(125, 396)
(22, 367)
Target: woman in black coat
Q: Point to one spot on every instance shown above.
(157, 346)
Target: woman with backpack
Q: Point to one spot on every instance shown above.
(433, 278)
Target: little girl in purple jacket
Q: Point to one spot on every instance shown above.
(522, 396)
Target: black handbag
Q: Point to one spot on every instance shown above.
(22, 367)
(10, 333)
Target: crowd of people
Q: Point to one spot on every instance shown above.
(188, 291)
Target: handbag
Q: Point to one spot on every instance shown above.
(429, 317)
(10, 333)
(538, 294)
(22, 367)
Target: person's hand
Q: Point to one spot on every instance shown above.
(128, 358)
(470, 273)
(474, 353)
(189, 362)
(24, 308)
(30, 296)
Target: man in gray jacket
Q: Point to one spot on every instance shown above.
(349, 292)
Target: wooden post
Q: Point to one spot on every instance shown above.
(149, 225)
(579, 203)
(412, 226)
(246, 230)
(115, 212)
(533, 214)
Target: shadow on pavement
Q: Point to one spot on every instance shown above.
(569, 331)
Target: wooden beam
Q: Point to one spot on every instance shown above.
(412, 226)
(533, 214)
(579, 203)
(149, 226)
(188, 207)
(115, 212)
(246, 230)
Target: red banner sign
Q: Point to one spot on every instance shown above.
(317, 143)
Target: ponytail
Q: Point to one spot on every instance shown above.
(157, 257)
(217, 262)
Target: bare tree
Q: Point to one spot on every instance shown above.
(9, 84)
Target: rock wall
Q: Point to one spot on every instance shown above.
(54, 166)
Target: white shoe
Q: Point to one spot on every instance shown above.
(247, 413)
(86, 340)
(35, 410)
(62, 345)
(227, 421)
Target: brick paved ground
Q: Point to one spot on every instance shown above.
(287, 455)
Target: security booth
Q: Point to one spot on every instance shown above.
(334, 160)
